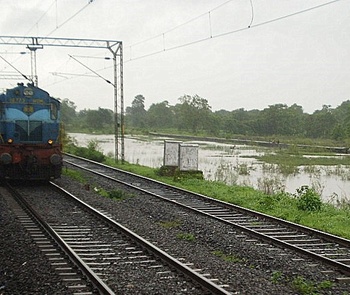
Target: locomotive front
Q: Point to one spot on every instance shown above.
(29, 134)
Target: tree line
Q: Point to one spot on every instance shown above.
(193, 114)
(100, 120)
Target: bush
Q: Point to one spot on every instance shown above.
(91, 152)
(166, 171)
(308, 199)
(183, 175)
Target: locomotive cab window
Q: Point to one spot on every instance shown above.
(2, 109)
(54, 111)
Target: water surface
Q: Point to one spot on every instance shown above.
(233, 164)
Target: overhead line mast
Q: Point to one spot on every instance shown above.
(115, 47)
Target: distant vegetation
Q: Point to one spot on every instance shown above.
(193, 116)
(92, 151)
(86, 121)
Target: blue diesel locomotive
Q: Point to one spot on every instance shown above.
(30, 145)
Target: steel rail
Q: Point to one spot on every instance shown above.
(201, 280)
(83, 267)
(345, 268)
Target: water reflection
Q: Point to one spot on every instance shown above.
(234, 165)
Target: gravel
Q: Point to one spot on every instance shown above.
(24, 269)
(246, 266)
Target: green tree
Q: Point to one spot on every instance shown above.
(279, 119)
(160, 115)
(339, 132)
(342, 114)
(98, 119)
(137, 113)
(237, 122)
(321, 123)
(295, 120)
(192, 113)
(68, 112)
(212, 124)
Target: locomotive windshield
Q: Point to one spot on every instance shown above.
(29, 130)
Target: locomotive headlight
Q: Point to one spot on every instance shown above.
(10, 140)
(50, 141)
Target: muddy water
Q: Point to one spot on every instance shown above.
(233, 165)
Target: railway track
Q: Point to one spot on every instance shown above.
(316, 245)
(62, 258)
(104, 253)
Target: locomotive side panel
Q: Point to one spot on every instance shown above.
(29, 134)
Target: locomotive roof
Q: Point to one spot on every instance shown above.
(31, 89)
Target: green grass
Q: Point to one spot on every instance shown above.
(283, 205)
(227, 257)
(300, 284)
(74, 174)
(134, 168)
(286, 159)
(276, 277)
(115, 194)
(186, 237)
(306, 287)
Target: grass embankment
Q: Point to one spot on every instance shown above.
(303, 207)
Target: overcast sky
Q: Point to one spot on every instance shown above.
(256, 57)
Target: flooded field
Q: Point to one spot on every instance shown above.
(234, 165)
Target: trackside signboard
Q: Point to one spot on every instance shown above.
(171, 153)
(188, 157)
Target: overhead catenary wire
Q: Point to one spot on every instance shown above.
(180, 25)
(70, 18)
(17, 70)
(37, 22)
(252, 9)
(42, 16)
(91, 70)
(251, 25)
(211, 36)
(64, 75)
(57, 25)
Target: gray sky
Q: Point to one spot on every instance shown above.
(302, 59)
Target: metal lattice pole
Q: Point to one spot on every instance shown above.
(34, 43)
(116, 141)
(122, 123)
